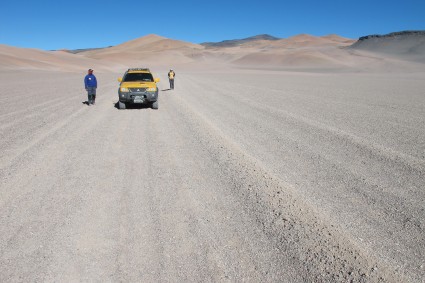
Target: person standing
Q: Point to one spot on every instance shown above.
(171, 76)
(90, 84)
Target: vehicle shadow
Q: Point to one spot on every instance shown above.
(133, 106)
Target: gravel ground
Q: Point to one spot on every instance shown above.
(239, 176)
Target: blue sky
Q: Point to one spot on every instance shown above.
(82, 24)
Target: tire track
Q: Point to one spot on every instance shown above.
(290, 221)
(378, 150)
(49, 195)
(388, 204)
(67, 128)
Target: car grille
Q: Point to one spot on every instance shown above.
(138, 89)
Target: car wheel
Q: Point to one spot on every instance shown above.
(121, 105)
(155, 105)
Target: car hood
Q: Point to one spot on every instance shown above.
(138, 84)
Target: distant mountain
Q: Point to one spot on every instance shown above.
(299, 51)
(394, 34)
(236, 42)
(75, 51)
(138, 42)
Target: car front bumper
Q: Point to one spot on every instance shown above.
(136, 97)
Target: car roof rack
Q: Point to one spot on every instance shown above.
(138, 69)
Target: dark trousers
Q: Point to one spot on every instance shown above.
(172, 83)
(91, 93)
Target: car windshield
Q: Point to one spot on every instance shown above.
(135, 77)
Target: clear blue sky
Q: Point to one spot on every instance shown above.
(82, 24)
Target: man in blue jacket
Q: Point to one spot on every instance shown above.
(90, 84)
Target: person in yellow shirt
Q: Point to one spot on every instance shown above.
(171, 76)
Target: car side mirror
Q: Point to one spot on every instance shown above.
(156, 80)
(120, 79)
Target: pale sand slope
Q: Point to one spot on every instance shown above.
(12, 58)
(299, 52)
(148, 50)
(320, 53)
(239, 176)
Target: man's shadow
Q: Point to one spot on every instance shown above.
(167, 89)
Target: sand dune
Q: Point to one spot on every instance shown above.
(300, 51)
(161, 51)
(304, 40)
(332, 51)
(150, 49)
(337, 38)
(23, 58)
(288, 59)
(301, 41)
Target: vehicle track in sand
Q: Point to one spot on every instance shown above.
(213, 186)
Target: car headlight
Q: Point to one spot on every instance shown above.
(124, 89)
(151, 89)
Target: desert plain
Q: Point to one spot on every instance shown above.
(272, 160)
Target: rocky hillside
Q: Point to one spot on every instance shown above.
(408, 45)
(236, 42)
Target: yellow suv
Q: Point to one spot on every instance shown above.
(138, 86)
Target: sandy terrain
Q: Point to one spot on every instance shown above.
(13, 58)
(289, 174)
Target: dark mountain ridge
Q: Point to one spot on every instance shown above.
(236, 42)
(394, 34)
(408, 45)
